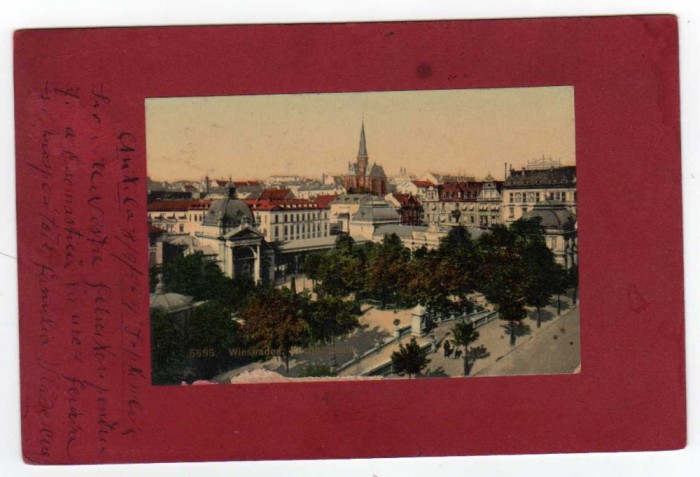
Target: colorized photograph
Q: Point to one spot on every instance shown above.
(373, 235)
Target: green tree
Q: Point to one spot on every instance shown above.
(330, 318)
(543, 276)
(168, 350)
(344, 244)
(312, 266)
(464, 334)
(503, 275)
(196, 276)
(274, 321)
(212, 333)
(386, 271)
(409, 359)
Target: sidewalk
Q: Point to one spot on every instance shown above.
(378, 327)
(532, 342)
(533, 353)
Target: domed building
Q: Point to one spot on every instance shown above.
(176, 306)
(560, 228)
(229, 229)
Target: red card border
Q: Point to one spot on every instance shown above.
(630, 394)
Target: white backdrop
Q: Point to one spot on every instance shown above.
(77, 13)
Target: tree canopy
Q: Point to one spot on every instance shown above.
(410, 359)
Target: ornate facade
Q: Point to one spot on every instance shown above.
(527, 187)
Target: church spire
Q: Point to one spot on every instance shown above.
(363, 144)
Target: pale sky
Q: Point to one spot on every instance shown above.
(473, 132)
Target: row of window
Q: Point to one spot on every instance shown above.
(470, 218)
(564, 196)
(298, 217)
(294, 232)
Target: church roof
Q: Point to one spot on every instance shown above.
(363, 143)
(377, 171)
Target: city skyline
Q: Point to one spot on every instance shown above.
(473, 132)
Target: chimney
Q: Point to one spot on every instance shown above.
(232, 192)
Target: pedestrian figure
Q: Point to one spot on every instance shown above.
(448, 349)
(458, 353)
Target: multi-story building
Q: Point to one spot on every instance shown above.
(469, 204)
(290, 219)
(489, 202)
(531, 185)
(452, 204)
(178, 216)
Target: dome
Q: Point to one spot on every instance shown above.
(230, 211)
(553, 215)
(169, 302)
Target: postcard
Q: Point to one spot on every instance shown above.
(366, 267)
(293, 241)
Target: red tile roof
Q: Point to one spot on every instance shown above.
(275, 194)
(423, 183)
(246, 183)
(324, 200)
(407, 199)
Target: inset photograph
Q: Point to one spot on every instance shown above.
(377, 235)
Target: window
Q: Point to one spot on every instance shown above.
(182, 227)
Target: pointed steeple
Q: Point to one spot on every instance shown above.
(363, 144)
